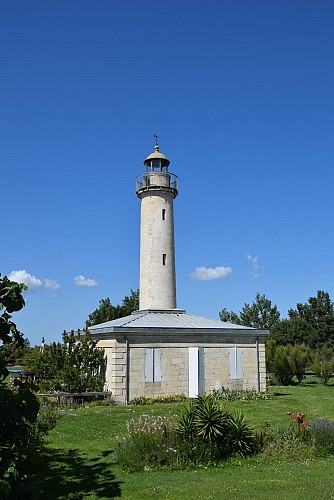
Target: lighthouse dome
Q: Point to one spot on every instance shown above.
(156, 155)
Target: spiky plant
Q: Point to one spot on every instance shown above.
(242, 435)
(210, 420)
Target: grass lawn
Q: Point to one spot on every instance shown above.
(78, 461)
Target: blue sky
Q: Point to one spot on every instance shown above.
(241, 95)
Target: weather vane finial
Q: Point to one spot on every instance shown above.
(156, 138)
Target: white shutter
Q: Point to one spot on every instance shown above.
(236, 365)
(239, 367)
(233, 355)
(148, 365)
(157, 364)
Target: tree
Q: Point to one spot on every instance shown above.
(293, 331)
(36, 363)
(229, 316)
(76, 365)
(19, 406)
(260, 314)
(107, 312)
(319, 314)
(15, 354)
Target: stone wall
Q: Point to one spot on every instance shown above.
(174, 367)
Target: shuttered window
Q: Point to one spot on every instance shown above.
(236, 365)
(153, 364)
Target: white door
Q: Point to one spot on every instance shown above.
(196, 371)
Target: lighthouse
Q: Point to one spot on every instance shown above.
(157, 187)
(161, 350)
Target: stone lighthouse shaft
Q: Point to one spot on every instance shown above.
(157, 188)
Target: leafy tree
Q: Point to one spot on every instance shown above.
(15, 354)
(107, 312)
(19, 407)
(293, 331)
(36, 363)
(261, 314)
(319, 314)
(77, 365)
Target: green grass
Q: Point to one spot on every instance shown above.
(79, 463)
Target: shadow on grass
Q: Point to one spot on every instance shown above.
(69, 474)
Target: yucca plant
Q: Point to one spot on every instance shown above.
(242, 437)
(185, 427)
(210, 420)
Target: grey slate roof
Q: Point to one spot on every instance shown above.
(176, 319)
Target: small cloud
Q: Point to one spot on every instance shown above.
(82, 281)
(47, 283)
(209, 273)
(256, 268)
(32, 282)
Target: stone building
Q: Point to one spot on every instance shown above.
(162, 350)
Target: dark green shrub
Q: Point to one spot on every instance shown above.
(48, 415)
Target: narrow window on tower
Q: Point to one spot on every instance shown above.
(164, 259)
(163, 214)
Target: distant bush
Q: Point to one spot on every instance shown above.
(285, 362)
(323, 364)
(48, 415)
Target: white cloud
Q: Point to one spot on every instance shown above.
(32, 282)
(82, 281)
(256, 268)
(209, 273)
(47, 283)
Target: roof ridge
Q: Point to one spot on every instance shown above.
(134, 318)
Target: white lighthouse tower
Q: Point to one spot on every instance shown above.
(157, 188)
